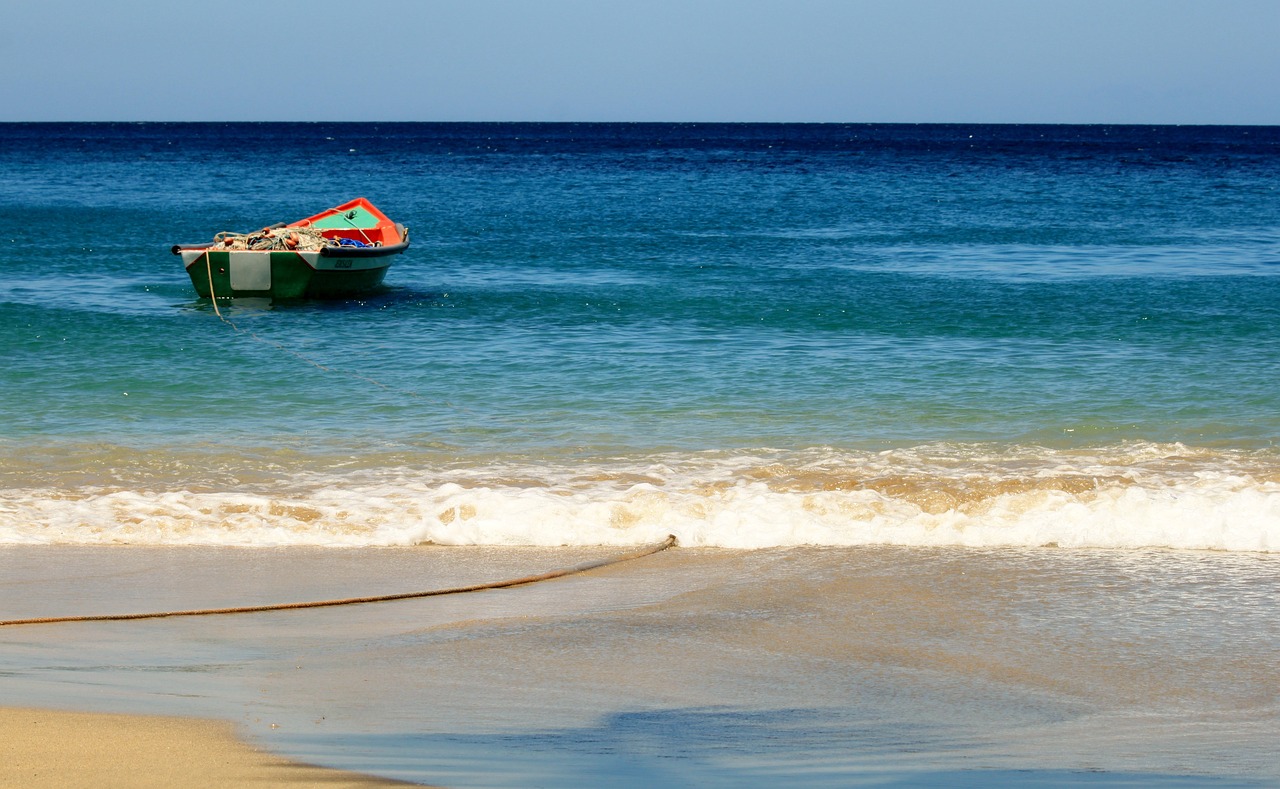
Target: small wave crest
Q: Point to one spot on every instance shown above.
(1129, 497)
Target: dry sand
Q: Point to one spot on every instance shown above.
(42, 749)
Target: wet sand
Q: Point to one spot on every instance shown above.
(44, 748)
(710, 668)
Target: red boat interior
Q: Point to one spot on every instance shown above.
(357, 220)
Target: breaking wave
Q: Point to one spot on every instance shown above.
(1133, 496)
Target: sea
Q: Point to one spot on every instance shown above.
(967, 435)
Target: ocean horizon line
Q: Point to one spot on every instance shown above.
(724, 123)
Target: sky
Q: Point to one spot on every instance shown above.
(892, 61)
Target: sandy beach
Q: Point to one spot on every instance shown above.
(45, 748)
(813, 667)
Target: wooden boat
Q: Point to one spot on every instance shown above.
(344, 251)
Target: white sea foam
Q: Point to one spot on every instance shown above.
(1140, 496)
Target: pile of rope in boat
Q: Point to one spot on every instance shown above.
(273, 238)
(250, 609)
(267, 239)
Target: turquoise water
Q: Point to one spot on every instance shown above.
(677, 306)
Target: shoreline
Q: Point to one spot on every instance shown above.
(43, 749)
(697, 666)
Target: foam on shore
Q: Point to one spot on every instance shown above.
(1130, 497)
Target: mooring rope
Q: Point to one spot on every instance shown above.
(213, 296)
(208, 265)
(250, 609)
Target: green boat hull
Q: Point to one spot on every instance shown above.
(282, 275)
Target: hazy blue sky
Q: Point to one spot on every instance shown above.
(1088, 61)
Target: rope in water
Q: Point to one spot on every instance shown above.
(250, 609)
(208, 266)
(213, 296)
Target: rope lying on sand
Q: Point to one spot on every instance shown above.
(249, 609)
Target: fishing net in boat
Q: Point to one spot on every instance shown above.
(290, 239)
